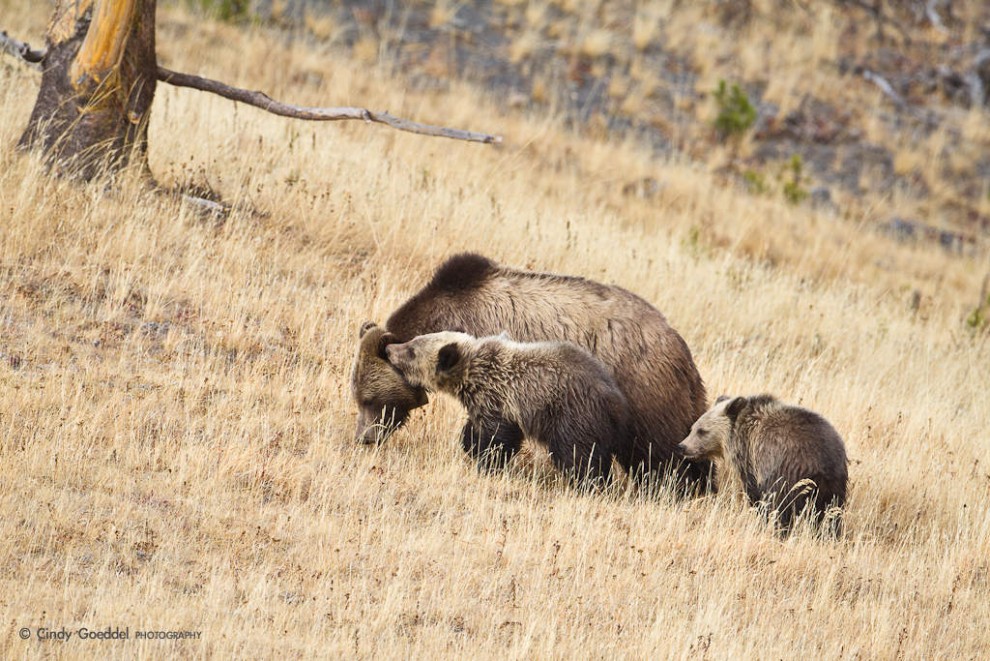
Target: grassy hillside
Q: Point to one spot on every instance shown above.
(176, 428)
(874, 110)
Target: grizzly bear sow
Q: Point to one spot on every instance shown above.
(649, 361)
(786, 457)
(555, 393)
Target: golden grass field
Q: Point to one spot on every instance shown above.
(176, 427)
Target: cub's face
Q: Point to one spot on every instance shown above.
(711, 431)
(383, 397)
(432, 361)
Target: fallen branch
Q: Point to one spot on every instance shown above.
(210, 207)
(265, 102)
(932, 14)
(21, 49)
(929, 118)
(977, 93)
(885, 87)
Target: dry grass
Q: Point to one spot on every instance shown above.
(787, 56)
(176, 424)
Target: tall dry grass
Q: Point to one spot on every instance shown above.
(176, 423)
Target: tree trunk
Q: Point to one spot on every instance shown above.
(97, 85)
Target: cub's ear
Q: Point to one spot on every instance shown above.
(385, 340)
(721, 398)
(448, 357)
(733, 408)
(365, 327)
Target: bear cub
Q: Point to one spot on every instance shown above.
(555, 393)
(650, 361)
(786, 457)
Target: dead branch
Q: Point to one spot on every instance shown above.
(885, 87)
(265, 102)
(977, 92)
(931, 13)
(20, 49)
(261, 100)
(928, 118)
(209, 207)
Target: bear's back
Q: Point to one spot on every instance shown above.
(650, 362)
(788, 443)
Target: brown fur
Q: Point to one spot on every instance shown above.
(555, 393)
(649, 360)
(383, 397)
(772, 448)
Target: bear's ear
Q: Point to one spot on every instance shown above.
(365, 327)
(720, 399)
(449, 356)
(385, 340)
(733, 408)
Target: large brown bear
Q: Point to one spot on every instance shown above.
(650, 362)
(555, 393)
(785, 457)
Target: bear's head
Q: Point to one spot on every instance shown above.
(383, 397)
(434, 361)
(710, 433)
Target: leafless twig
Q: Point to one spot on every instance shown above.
(885, 87)
(20, 49)
(207, 206)
(977, 92)
(929, 118)
(265, 102)
(933, 16)
(261, 100)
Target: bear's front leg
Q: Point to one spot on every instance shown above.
(581, 456)
(492, 443)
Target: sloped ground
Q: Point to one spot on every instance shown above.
(885, 110)
(176, 425)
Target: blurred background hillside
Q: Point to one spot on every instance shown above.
(869, 109)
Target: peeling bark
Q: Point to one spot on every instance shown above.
(98, 82)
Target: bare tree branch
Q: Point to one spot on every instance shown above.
(977, 93)
(930, 118)
(20, 49)
(885, 87)
(217, 209)
(261, 100)
(932, 14)
(265, 102)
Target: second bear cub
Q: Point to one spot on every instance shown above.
(787, 458)
(555, 393)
